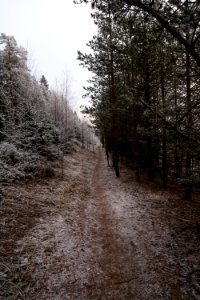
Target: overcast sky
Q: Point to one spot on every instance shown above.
(52, 31)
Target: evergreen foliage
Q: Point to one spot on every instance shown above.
(145, 89)
(37, 125)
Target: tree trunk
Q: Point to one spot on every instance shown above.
(149, 152)
(177, 156)
(115, 153)
(188, 191)
(164, 141)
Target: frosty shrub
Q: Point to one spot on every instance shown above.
(9, 173)
(38, 170)
(30, 163)
(9, 153)
(34, 165)
(71, 145)
(48, 171)
(19, 164)
(50, 152)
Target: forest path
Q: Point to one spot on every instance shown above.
(92, 236)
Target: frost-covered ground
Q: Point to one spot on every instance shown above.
(90, 236)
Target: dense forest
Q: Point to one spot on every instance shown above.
(37, 124)
(145, 90)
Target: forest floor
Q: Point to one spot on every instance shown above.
(91, 236)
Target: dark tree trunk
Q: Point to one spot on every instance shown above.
(150, 161)
(188, 191)
(177, 156)
(164, 140)
(115, 154)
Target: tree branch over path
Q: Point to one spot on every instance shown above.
(147, 8)
(191, 50)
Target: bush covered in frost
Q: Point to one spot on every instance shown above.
(17, 165)
(9, 153)
(9, 173)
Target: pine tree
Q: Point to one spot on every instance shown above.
(145, 89)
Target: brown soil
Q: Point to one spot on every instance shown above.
(90, 236)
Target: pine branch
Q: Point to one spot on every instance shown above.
(190, 49)
(169, 124)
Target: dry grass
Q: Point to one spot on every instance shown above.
(35, 216)
(90, 236)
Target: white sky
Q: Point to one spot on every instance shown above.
(52, 31)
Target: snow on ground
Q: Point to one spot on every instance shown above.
(90, 236)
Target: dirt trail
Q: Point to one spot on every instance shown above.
(112, 260)
(91, 236)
